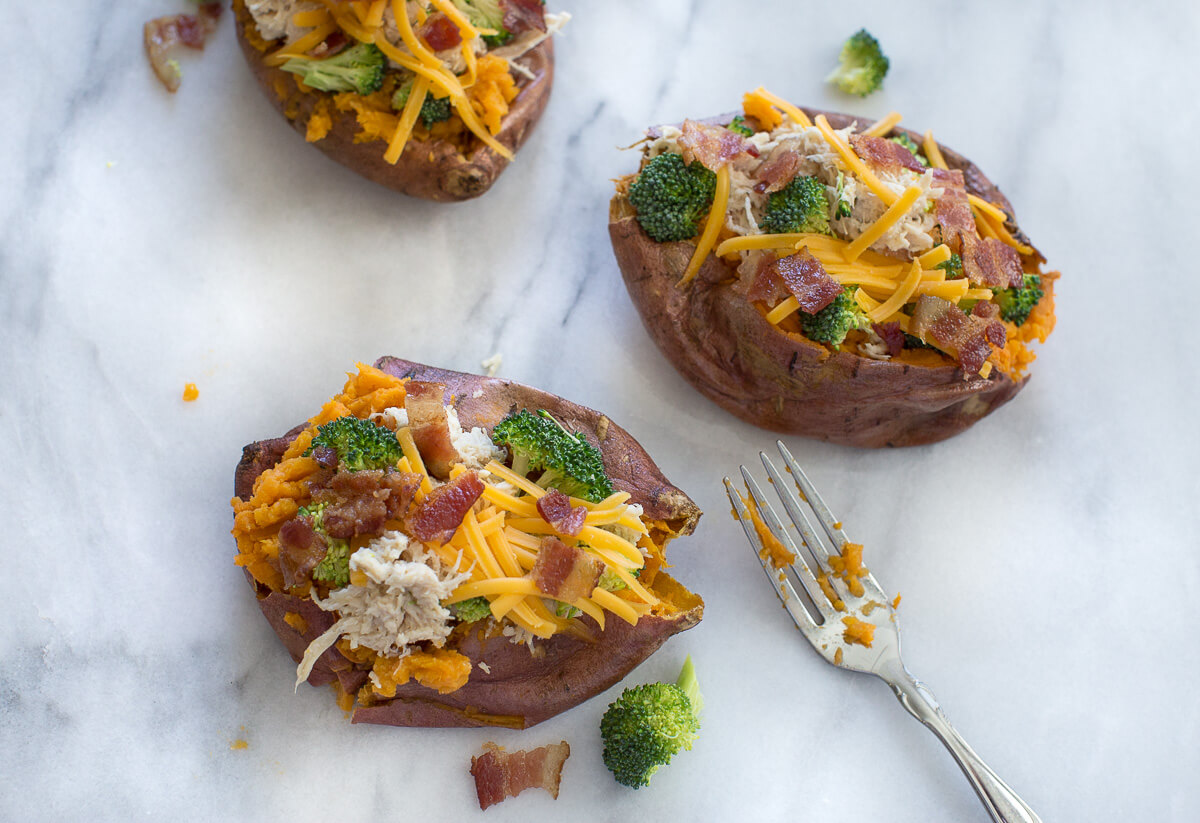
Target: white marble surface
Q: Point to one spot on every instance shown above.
(1047, 557)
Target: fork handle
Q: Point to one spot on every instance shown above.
(1001, 802)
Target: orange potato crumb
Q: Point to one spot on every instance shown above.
(858, 631)
(190, 392)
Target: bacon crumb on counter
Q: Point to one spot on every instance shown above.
(556, 509)
(564, 572)
(499, 774)
(162, 34)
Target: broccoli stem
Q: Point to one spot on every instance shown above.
(690, 685)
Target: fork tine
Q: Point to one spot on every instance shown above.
(783, 587)
(802, 571)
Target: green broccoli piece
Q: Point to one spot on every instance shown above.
(610, 581)
(568, 461)
(911, 145)
(844, 208)
(358, 69)
(486, 14)
(432, 110)
(1016, 304)
(861, 65)
(832, 323)
(800, 206)
(470, 611)
(647, 725)
(738, 126)
(953, 267)
(359, 444)
(334, 568)
(671, 197)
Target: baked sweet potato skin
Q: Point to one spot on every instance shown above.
(784, 382)
(430, 170)
(518, 689)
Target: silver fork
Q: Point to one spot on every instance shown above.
(825, 630)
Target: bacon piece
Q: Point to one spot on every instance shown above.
(777, 172)
(440, 33)
(523, 15)
(884, 155)
(330, 46)
(986, 309)
(162, 34)
(440, 514)
(892, 335)
(967, 337)
(499, 774)
(954, 210)
(564, 572)
(362, 502)
(556, 509)
(807, 280)
(991, 262)
(430, 426)
(300, 550)
(713, 146)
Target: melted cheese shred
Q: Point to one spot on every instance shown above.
(895, 212)
(854, 162)
(716, 219)
(882, 126)
(790, 109)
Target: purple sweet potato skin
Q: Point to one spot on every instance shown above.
(518, 689)
(783, 382)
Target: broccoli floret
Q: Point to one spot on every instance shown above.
(358, 68)
(359, 444)
(334, 568)
(861, 65)
(911, 145)
(1016, 304)
(568, 461)
(648, 725)
(671, 197)
(486, 14)
(469, 611)
(432, 110)
(832, 323)
(844, 208)
(952, 266)
(801, 205)
(738, 126)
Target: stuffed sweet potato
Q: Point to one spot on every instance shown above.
(864, 286)
(433, 106)
(454, 550)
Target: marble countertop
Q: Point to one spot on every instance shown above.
(1047, 557)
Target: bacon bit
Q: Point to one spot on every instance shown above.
(953, 209)
(523, 15)
(777, 172)
(440, 33)
(892, 335)
(556, 509)
(765, 284)
(431, 426)
(330, 46)
(807, 280)
(884, 155)
(440, 514)
(968, 338)
(164, 33)
(564, 572)
(991, 262)
(713, 146)
(986, 309)
(500, 775)
(300, 550)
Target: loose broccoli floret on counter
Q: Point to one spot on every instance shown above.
(911, 145)
(738, 126)
(568, 462)
(844, 209)
(800, 206)
(432, 109)
(861, 65)
(671, 197)
(1016, 304)
(832, 323)
(486, 14)
(952, 266)
(359, 444)
(647, 725)
(470, 611)
(358, 68)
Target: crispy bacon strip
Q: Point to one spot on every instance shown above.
(967, 337)
(440, 33)
(993, 263)
(499, 774)
(164, 33)
(765, 283)
(431, 426)
(777, 172)
(713, 146)
(564, 572)
(884, 155)
(807, 281)
(556, 509)
(439, 515)
(953, 209)
(523, 15)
